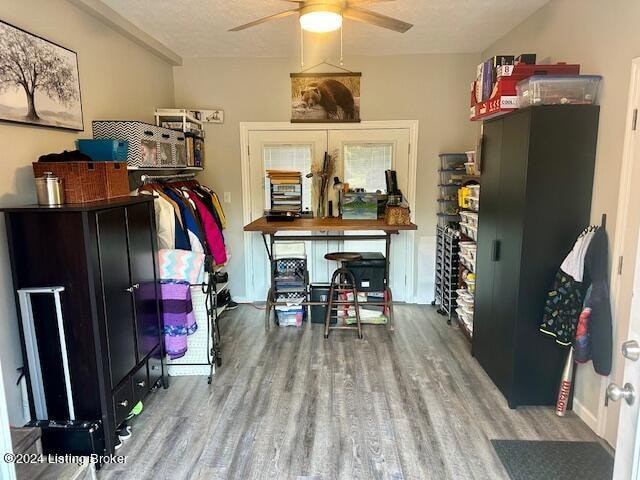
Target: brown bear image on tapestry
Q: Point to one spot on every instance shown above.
(325, 97)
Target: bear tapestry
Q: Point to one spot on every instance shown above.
(325, 97)
(39, 82)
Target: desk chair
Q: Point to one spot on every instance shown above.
(342, 280)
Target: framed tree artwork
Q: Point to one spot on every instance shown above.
(39, 81)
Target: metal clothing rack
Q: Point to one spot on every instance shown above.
(209, 288)
(175, 177)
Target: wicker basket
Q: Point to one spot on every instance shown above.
(397, 215)
(83, 181)
(88, 181)
(117, 179)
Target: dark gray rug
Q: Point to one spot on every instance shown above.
(542, 460)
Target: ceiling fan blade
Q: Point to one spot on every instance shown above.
(265, 19)
(367, 16)
(362, 2)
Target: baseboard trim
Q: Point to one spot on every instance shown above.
(585, 415)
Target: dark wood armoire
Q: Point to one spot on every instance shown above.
(537, 178)
(103, 257)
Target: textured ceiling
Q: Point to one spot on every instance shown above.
(198, 28)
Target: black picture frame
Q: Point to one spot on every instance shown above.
(78, 124)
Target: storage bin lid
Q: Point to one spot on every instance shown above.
(369, 259)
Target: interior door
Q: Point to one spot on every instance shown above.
(143, 282)
(627, 461)
(301, 150)
(362, 157)
(118, 305)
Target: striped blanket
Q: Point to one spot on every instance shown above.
(177, 313)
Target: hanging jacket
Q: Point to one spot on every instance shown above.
(212, 232)
(165, 223)
(217, 205)
(192, 232)
(207, 200)
(599, 301)
(564, 301)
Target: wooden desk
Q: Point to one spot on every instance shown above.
(323, 229)
(324, 225)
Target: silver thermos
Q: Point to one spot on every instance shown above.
(49, 189)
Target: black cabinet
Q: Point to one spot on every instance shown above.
(104, 256)
(537, 178)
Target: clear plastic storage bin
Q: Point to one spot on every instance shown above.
(448, 208)
(452, 160)
(558, 90)
(448, 192)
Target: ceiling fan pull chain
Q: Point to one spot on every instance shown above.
(341, 55)
(301, 47)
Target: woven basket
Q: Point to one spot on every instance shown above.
(396, 215)
(83, 181)
(116, 178)
(88, 181)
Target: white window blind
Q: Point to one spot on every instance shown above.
(365, 163)
(295, 157)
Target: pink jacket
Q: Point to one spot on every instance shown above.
(211, 232)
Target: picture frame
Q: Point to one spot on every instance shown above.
(212, 116)
(325, 97)
(51, 99)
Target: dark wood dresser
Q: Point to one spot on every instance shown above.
(103, 256)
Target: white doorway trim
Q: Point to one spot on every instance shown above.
(246, 127)
(625, 208)
(7, 469)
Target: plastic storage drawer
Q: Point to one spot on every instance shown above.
(558, 90)
(452, 160)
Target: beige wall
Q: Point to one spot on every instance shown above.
(118, 80)
(603, 38)
(429, 88)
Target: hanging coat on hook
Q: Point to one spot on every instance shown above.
(600, 329)
(584, 270)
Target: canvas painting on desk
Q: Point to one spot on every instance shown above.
(325, 97)
(39, 81)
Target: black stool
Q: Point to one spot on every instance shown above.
(339, 283)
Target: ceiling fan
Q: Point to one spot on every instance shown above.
(326, 15)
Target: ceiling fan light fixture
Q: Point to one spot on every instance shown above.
(321, 18)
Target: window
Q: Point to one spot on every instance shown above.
(365, 163)
(295, 157)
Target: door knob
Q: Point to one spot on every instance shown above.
(124, 403)
(631, 350)
(141, 384)
(136, 285)
(615, 393)
(129, 289)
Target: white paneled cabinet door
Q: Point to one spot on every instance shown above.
(363, 155)
(277, 150)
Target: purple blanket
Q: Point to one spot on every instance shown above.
(179, 320)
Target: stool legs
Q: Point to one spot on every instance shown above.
(342, 275)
